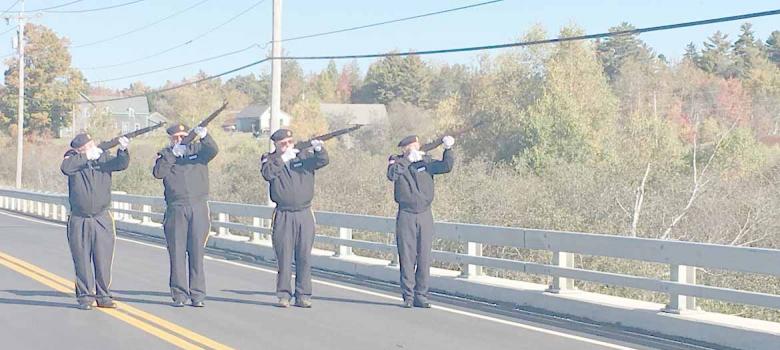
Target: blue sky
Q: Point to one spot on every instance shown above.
(490, 24)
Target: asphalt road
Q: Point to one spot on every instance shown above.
(37, 308)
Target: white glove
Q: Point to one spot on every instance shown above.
(94, 153)
(317, 144)
(123, 143)
(200, 131)
(179, 150)
(415, 156)
(289, 154)
(448, 141)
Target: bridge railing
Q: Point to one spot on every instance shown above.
(682, 258)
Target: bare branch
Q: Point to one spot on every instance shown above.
(640, 197)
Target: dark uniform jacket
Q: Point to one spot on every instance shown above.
(89, 181)
(292, 184)
(413, 182)
(186, 179)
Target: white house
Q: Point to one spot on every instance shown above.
(248, 119)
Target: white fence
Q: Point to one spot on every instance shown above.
(681, 257)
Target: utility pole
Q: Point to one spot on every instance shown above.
(276, 79)
(20, 111)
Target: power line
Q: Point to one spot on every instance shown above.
(190, 41)
(390, 21)
(10, 7)
(185, 84)
(117, 36)
(546, 41)
(490, 47)
(54, 7)
(178, 66)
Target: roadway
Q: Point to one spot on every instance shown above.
(37, 308)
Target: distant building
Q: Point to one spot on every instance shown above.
(125, 115)
(338, 114)
(254, 118)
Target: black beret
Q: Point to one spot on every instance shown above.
(80, 140)
(408, 140)
(281, 134)
(175, 128)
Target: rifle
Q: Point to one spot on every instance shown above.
(438, 141)
(107, 145)
(302, 145)
(203, 123)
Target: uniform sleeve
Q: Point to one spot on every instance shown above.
(73, 162)
(314, 160)
(208, 148)
(396, 167)
(444, 165)
(118, 163)
(163, 164)
(271, 166)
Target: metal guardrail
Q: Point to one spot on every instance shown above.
(681, 257)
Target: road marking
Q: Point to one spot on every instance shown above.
(181, 343)
(386, 296)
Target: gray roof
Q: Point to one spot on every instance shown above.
(353, 113)
(252, 111)
(139, 104)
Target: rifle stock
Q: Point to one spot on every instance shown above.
(302, 145)
(203, 123)
(107, 145)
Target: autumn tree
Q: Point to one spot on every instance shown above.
(52, 86)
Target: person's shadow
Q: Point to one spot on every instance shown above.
(131, 296)
(36, 293)
(316, 297)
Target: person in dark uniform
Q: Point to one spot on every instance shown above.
(185, 174)
(290, 173)
(412, 177)
(91, 230)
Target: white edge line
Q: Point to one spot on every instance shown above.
(381, 295)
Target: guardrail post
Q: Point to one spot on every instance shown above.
(681, 303)
(146, 220)
(469, 270)
(256, 236)
(39, 208)
(343, 250)
(24, 205)
(222, 217)
(63, 213)
(46, 210)
(562, 284)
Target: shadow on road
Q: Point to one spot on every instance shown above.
(315, 297)
(36, 303)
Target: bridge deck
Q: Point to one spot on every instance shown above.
(37, 313)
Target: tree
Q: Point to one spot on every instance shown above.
(615, 50)
(257, 88)
(326, 83)
(692, 54)
(349, 81)
(52, 86)
(717, 57)
(394, 78)
(747, 50)
(773, 47)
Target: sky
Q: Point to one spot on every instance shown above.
(495, 23)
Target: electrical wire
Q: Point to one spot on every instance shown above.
(117, 36)
(190, 41)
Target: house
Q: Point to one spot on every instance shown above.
(338, 114)
(125, 115)
(247, 119)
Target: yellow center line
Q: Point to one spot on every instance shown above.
(65, 286)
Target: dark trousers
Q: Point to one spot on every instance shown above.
(293, 238)
(414, 237)
(186, 233)
(91, 241)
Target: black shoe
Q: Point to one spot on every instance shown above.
(177, 304)
(85, 307)
(407, 304)
(422, 304)
(198, 304)
(107, 305)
